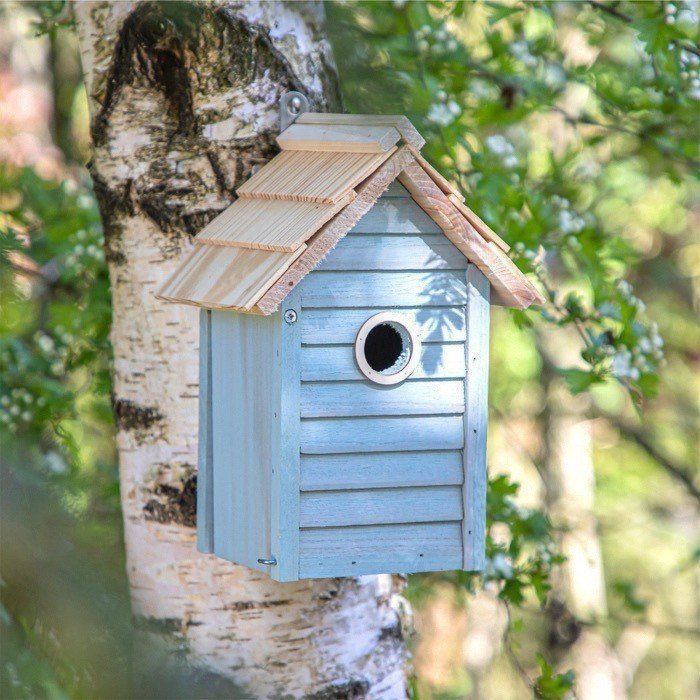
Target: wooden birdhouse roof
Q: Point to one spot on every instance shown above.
(292, 212)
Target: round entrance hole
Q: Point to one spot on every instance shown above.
(387, 348)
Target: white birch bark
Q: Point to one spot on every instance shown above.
(183, 100)
(579, 592)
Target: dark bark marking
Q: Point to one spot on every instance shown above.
(351, 690)
(564, 627)
(130, 416)
(243, 605)
(390, 633)
(177, 505)
(187, 52)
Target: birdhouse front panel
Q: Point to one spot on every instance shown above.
(384, 326)
(344, 358)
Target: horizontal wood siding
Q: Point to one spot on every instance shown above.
(372, 506)
(333, 435)
(392, 215)
(374, 252)
(362, 398)
(389, 289)
(337, 363)
(368, 549)
(380, 470)
(324, 326)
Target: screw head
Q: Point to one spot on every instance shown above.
(290, 316)
(295, 104)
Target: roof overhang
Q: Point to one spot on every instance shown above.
(294, 210)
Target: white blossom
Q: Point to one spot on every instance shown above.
(443, 114)
(500, 567)
(521, 51)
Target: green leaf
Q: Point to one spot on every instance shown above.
(550, 685)
(579, 380)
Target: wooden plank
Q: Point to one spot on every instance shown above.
(408, 132)
(510, 286)
(284, 491)
(434, 323)
(221, 277)
(442, 183)
(205, 476)
(280, 225)
(421, 504)
(340, 435)
(245, 399)
(320, 244)
(395, 289)
(381, 470)
(346, 399)
(311, 176)
(476, 421)
(376, 549)
(478, 224)
(337, 363)
(395, 215)
(338, 137)
(418, 252)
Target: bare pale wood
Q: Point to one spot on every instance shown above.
(510, 286)
(311, 176)
(402, 124)
(222, 277)
(338, 137)
(265, 224)
(318, 246)
(443, 183)
(478, 224)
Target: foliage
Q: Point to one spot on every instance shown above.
(473, 93)
(550, 685)
(562, 124)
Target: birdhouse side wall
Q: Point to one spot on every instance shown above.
(248, 444)
(386, 472)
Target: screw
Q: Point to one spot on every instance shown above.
(290, 316)
(295, 104)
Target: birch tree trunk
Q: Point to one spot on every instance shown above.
(183, 100)
(579, 591)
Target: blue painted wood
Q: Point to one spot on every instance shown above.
(392, 289)
(376, 549)
(419, 504)
(435, 324)
(337, 363)
(476, 420)
(340, 435)
(284, 496)
(205, 482)
(380, 470)
(363, 398)
(245, 402)
(395, 215)
(375, 252)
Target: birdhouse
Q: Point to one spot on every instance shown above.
(344, 355)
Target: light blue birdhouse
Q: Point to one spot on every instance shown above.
(344, 345)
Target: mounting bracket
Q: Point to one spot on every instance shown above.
(292, 104)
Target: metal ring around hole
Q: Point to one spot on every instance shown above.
(373, 375)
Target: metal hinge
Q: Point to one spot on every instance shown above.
(268, 562)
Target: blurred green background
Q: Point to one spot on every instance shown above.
(572, 129)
